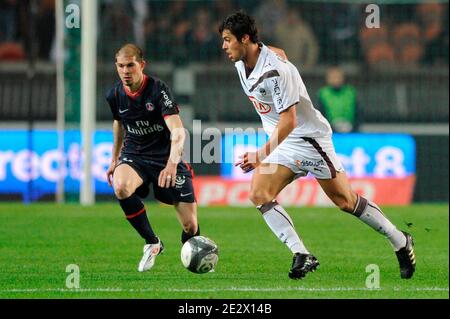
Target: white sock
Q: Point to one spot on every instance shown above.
(372, 215)
(282, 226)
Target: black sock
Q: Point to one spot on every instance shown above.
(135, 212)
(185, 237)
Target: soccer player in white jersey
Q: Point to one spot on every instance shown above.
(299, 142)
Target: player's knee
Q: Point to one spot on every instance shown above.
(260, 197)
(122, 190)
(190, 227)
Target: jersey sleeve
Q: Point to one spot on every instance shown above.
(284, 90)
(166, 101)
(111, 98)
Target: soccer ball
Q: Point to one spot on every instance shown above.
(199, 254)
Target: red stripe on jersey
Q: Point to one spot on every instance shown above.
(167, 115)
(189, 168)
(136, 94)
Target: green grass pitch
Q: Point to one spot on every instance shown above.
(38, 242)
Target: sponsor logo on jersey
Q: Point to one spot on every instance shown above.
(167, 101)
(144, 128)
(261, 108)
(277, 92)
(315, 164)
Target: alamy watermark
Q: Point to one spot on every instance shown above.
(373, 17)
(73, 16)
(73, 279)
(373, 279)
(208, 145)
(72, 20)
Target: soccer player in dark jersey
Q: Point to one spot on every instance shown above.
(147, 150)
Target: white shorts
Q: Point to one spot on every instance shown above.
(314, 155)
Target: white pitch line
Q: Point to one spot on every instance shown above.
(238, 289)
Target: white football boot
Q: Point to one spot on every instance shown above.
(149, 256)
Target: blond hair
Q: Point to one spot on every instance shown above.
(131, 49)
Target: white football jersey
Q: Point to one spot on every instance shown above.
(273, 86)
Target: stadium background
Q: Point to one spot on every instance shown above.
(400, 71)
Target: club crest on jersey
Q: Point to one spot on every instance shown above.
(149, 106)
(179, 181)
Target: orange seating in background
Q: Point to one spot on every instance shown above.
(431, 17)
(11, 51)
(407, 43)
(376, 46)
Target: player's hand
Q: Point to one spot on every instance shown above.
(168, 176)
(248, 162)
(110, 173)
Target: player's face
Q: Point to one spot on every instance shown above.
(234, 49)
(130, 71)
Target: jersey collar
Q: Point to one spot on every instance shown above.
(259, 64)
(135, 95)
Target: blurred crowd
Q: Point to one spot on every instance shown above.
(181, 32)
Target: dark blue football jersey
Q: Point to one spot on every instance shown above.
(142, 116)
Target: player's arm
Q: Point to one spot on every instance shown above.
(118, 133)
(287, 123)
(177, 137)
(285, 96)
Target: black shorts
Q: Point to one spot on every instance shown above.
(149, 170)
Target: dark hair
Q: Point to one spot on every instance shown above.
(131, 49)
(239, 24)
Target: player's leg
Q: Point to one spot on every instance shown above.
(320, 159)
(265, 187)
(126, 181)
(187, 216)
(339, 191)
(182, 196)
(268, 181)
